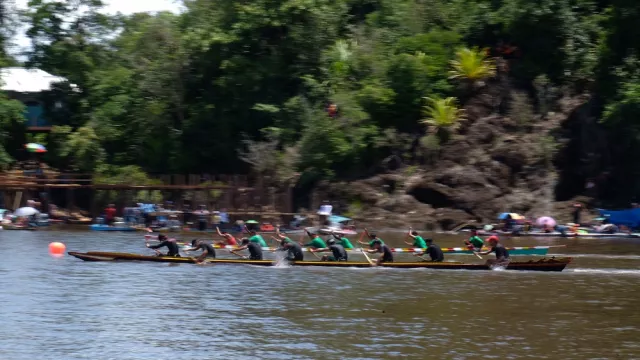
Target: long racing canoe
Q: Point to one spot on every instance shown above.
(521, 250)
(552, 264)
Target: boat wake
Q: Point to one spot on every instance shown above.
(606, 271)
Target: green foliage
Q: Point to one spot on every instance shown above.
(472, 64)
(547, 149)
(521, 110)
(233, 87)
(131, 174)
(442, 115)
(81, 148)
(11, 119)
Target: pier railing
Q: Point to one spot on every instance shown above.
(237, 194)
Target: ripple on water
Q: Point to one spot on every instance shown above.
(70, 309)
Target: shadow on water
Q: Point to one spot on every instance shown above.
(69, 309)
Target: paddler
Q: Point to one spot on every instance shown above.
(378, 247)
(434, 251)
(255, 250)
(339, 253)
(372, 237)
(294, 251)
(207, 250)
(341, 240)
(475, 242)
(171, 245)
(228, 238)
(256, 238)
(502, 255)
(281, 237)
(316, 241)
(418, 241)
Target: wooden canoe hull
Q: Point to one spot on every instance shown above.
(539, 265)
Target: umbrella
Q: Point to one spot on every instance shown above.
(25, 211)
(546, 221)
(503, 216)
(35, 148)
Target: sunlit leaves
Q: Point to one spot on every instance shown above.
(472, 64)
(442, 115)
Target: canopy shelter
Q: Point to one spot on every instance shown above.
(629, 217)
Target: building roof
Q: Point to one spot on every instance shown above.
(24, 80)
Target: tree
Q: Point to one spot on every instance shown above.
(443, 116)
(473, 65)
(11, 121)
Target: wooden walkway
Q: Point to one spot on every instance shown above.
(236, 194)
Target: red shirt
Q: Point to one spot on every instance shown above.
(230, 239)
(110, 213)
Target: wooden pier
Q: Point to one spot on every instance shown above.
(237, 195)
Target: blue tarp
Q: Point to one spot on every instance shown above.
(338, 219)
(503, 216)
(629, 217)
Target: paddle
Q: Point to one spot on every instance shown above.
(314, 254)
(364, 251)
(478, 255)
(421, 257)
(236, 254)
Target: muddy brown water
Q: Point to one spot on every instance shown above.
(64, 308)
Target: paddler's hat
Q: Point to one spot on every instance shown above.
(331, 241)
(376, 242)
(493, 238)
(373, 235)
(162, 237)
(244, 241)
(428, 240)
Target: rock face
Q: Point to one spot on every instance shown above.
(495, 164)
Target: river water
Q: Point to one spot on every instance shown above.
(66, 309)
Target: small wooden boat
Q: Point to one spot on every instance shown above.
(552, 264)
(18, 227)
(104, 227)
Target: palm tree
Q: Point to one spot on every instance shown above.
(442, 115)
(472, 64)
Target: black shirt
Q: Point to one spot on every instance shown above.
(387, 255)
(295, 252)
(255, 251)
(338, 252)
(211, 252)
(501, 252)
(171, 245)
(435, 252)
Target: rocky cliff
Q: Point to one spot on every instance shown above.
(501, 160)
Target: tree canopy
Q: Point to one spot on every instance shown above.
(328, 88)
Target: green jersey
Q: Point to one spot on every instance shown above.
(371, 242)
(418, 242)
(345, 243)
(476, 241)
(317, 243)
(259, 240)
